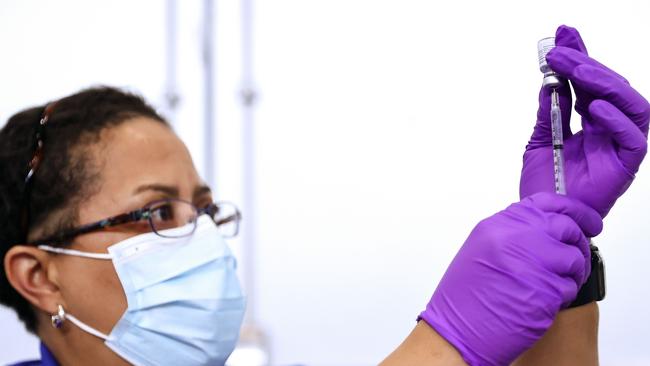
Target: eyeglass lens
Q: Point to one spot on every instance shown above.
(172, 214)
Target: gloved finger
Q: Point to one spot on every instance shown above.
(566, 231)
(550, 282)
(564, 260)
(602, 85)
(542, 135)
(632, 143)
(590, 77)
(566, 36)
(568, 290)
(587, 218)
(563, 60)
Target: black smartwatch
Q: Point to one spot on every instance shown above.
(594, 288)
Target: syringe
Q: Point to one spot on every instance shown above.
(558, 143)
(552, 81)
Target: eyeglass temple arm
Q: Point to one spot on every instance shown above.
(234, 217)
(84, 229)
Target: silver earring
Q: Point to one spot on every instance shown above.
(58, 318)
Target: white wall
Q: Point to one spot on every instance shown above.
(385, 131)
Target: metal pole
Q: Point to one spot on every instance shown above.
(248, 160)
(208, 92)
(253, 349)
(171, 96)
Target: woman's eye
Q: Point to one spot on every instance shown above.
(163, 213)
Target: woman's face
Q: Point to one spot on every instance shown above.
(139, 161)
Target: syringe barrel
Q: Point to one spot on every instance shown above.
(556, 126)
(558, 143)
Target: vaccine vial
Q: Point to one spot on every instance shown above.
(551, 79)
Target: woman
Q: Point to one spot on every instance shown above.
(154, 189)
(114, 253)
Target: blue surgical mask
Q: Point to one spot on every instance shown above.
(185, 304)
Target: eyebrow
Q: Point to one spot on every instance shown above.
(201, 190)
(173, 191)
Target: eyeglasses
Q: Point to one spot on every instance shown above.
(162, 215)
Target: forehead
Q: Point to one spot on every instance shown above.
(140, 142)
(140, 152)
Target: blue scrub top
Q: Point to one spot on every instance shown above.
(47, 359)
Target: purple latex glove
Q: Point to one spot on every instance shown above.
(514, 273)
(602, 159)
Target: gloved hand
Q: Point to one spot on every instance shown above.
(602, 159)
(513, 274)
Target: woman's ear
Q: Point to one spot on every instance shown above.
(29, 270)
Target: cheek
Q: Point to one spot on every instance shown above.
(92, 292)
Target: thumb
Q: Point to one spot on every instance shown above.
(570, 37)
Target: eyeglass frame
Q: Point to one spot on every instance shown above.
(138, 215)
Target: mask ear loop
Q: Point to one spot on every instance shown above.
(61, 316)
(77, 253)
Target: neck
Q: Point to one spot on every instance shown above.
(72, 346)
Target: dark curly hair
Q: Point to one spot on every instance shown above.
(66, 174)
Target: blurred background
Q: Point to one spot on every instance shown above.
(362, 139)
